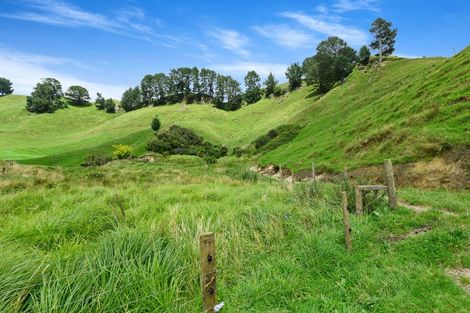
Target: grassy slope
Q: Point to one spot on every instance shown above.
(411, 109)
(68, 135)
(277, 251)
(408, 110)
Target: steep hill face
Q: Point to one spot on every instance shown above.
(408, 110)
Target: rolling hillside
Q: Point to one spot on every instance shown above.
(410, 109)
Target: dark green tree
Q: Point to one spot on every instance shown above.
(5, 87)
(334, 62)
(77, 95)
(147, 90)
(155, 124)
(109, 106)
(208, 84)
(131, 99)
(252, 87)
(384, 37)
(270, 85)
(310, 70)
(46, 97)
(234, 94)
(364, 55)
(219, 96)
(196, 93)
(294, 75)
(100, 101)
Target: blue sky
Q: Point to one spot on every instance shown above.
(110, 45)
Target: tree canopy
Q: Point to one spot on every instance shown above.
(270, 85)
(77, 95)
(131, 99)
(253, 87)
(294, 75)
(384, 37)
(46, 97)
(5, 86)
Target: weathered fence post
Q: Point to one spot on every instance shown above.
(358, 196)
(208, 271)
(347, 226)
(280, 171)
(313, 171)
(390, 179)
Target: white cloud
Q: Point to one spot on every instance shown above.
(241, 68)
(129, 21)
(355, 5)
(25, 70)
(322, 9)
(286, 35)
(231, 40)
(351, 34)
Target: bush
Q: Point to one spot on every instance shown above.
(46, 97)
(155, 124)
(276, 137)
(109, 106)
(122, 151)
(278, 92)
(96, 160)
(183, 141)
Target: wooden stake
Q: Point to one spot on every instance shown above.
(347, 226)
(358, 196)
(280, 170)
(208, 272)
(390, 179)
(313, 171)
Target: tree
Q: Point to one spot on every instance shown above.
(109, 106)
(147, 90)
(155, 124)
(253, 87)
(100, 101)
(234, 94)
(294, 75)
(207, 81)
(78, 95)
(5, 87)
(310, 70)
(46, 97)
(219, 97)
(196, 94)
(270, 84)
(364, 55)
(384, 38)
(131, 99)
(333, 62)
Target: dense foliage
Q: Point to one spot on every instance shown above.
(294, 75)
(5, 86)
(333, 62)
(46, 97)
(131, 99)
(270, 85)
(77, 95)
(253, 87)
(122, 151)
(155, 124)
(105, 104)
(364, 55)
(179, 140)
(276, 137)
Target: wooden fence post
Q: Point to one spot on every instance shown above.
(358, 196)
(313, 171)
(208, 271)
(347, 226)
(280, 171)
(390, 179)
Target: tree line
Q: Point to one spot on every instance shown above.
(333, 62)
(192, 85)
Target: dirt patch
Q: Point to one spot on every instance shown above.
(422, 209)
(461, 276)
(415, 232)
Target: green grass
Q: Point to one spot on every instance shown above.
(408, 110)
(67, 136)
(65, 249)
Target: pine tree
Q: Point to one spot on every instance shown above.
(253, 87)
(270, 84)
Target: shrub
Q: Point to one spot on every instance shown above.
(278, 92)
(109, 106)
(179, 140)
(46, 97)
(122, 151)
(276, 137)
(96, 160)
(155, 124)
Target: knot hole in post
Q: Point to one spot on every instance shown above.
(209, 258)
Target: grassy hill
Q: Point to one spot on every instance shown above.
(408, 110)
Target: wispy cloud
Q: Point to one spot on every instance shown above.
(355, 5)
(129, 21)
(231, 40)
(241, 68)
(351, 34)
(286, 35)
(25, 70)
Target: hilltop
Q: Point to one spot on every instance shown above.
(410, 109)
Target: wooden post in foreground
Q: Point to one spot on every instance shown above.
(208, 272)
(313, 171)
(390, 179)
(358, 196)
(347, 226)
